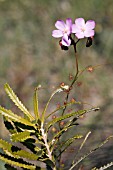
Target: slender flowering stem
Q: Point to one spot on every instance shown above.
(76, 75)
(70, 87)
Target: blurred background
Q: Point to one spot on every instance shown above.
(30, 56)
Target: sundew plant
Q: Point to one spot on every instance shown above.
(37, 140)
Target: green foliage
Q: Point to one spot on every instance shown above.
(104, 167)
(35, 99)
(32, 134)
(21, 136)
(17, 102)
(16, 162)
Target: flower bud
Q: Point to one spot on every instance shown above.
(62, 46)
(89, 41)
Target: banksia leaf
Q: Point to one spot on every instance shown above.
(39, 151)
(77, 114)
(104, 167)
(21, 136)
(5, 146)
(17, 102)
(16, 162)
(80, 112)
(25, 154)
(35, 101)
(70, 141)
(90, 152)
(9, 114)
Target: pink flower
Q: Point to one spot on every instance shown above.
(82, 29)
(64, 31)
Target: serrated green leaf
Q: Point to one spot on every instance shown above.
(5, 145)
(8, 148)
(35, 101)
(70, 141)
(21, 136)
(67, 143)
(16, 162)
(90, 152)
(25, 154)
(104, 167)
(17, 102)
(77, 114)
(9, 114)
(55, 138)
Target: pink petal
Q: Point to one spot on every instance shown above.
(79, 35)
(89, 33)
(75, 28)
(57, 33)
(90, 24)
(66, 40)
(60, 25)
(69, 24)
(80, 22)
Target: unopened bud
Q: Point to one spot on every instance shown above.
(62, 46)
(53, 117)
(89, 41)
(62, 123)
(54, 129)
(90, 69)
(73, 100)
(79, 84)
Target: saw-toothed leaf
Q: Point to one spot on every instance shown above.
(35, 101)
(39, 151)
(25, 154)
(104, 167)
(17, 102)
(21, 136)
(5, 145)
(8, 148)
(16, 162)
(9, 114)
(77, 114)
(70, 141)
(90, 152)
(55, 138)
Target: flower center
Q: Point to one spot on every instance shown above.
(82, 29)
(65, 31)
